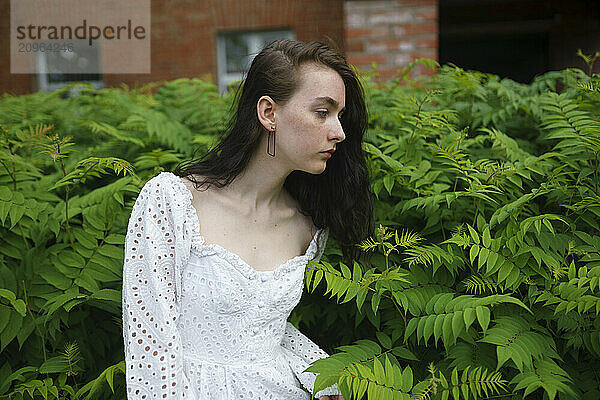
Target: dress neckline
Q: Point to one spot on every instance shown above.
(199, 243)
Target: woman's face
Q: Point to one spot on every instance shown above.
(309, 124)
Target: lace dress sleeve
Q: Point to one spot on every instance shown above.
(153, 352)
(301, 351)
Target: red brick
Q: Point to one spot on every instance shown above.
(355, 45)
(368, 5)
(366, 59)
(428, 42)
(391, 17)
(388, 73)
(417, 3)
(399, 44)
(418, 28)
(401, 59)
(425, 53)
(428, 13)
(184, 37)
(376, 31)
(354, 20)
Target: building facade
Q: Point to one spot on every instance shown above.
(216, 39)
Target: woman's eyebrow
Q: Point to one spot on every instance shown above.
(328, 100)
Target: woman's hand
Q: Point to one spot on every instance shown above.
(332, 397)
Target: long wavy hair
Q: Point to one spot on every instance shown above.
(339, 197)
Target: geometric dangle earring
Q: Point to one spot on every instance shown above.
(271, 133)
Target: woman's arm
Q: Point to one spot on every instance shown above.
(153, 353)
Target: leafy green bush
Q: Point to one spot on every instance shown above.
(482, 280)
(64, 209)
(486, 274)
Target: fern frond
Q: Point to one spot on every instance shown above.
(504, 142)
(414, 296)
(447, 317)
(94, 166)
(515, 207)
(67, 361)
(477, 285)
(589, 86)
(408, 239)
(580, 332)
(472, 383)
(362, 368)
(476, 354)
(385, 379)
(576, 128)
(545, 374)
(567, 296)
(103, 127)
(426, 255)
(519, 340)
(95, 386)
(457, 160)
(72, 357)
(353, 284)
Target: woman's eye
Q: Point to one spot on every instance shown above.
(322, 113)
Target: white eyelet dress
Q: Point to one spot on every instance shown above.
(198, 321)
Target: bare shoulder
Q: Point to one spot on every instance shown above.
(190, 182)
(200, 197)
(310, 229)
(215, 211)
(304, 221)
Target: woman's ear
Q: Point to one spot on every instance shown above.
(265, 109)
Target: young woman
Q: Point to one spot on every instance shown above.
(215, 253)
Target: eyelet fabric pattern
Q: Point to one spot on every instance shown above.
(198, 321)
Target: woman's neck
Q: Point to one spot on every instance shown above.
(259, 188)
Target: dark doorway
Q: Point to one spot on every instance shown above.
(518, 39)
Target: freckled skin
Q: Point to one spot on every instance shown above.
(304, 127)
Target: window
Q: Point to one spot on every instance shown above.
(60, 68)
(235, 51)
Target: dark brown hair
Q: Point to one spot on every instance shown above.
(339, 197)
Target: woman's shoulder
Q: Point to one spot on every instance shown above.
(166, 191)
(164, 180)
(168, 184)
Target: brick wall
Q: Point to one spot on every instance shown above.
(183, 41)
(391, 33)
(184, 32)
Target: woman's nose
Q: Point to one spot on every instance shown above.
(338, 131)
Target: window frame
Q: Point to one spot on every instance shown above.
(43, 81)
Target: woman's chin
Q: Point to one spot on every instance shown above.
(315, 169)
(321, 169)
